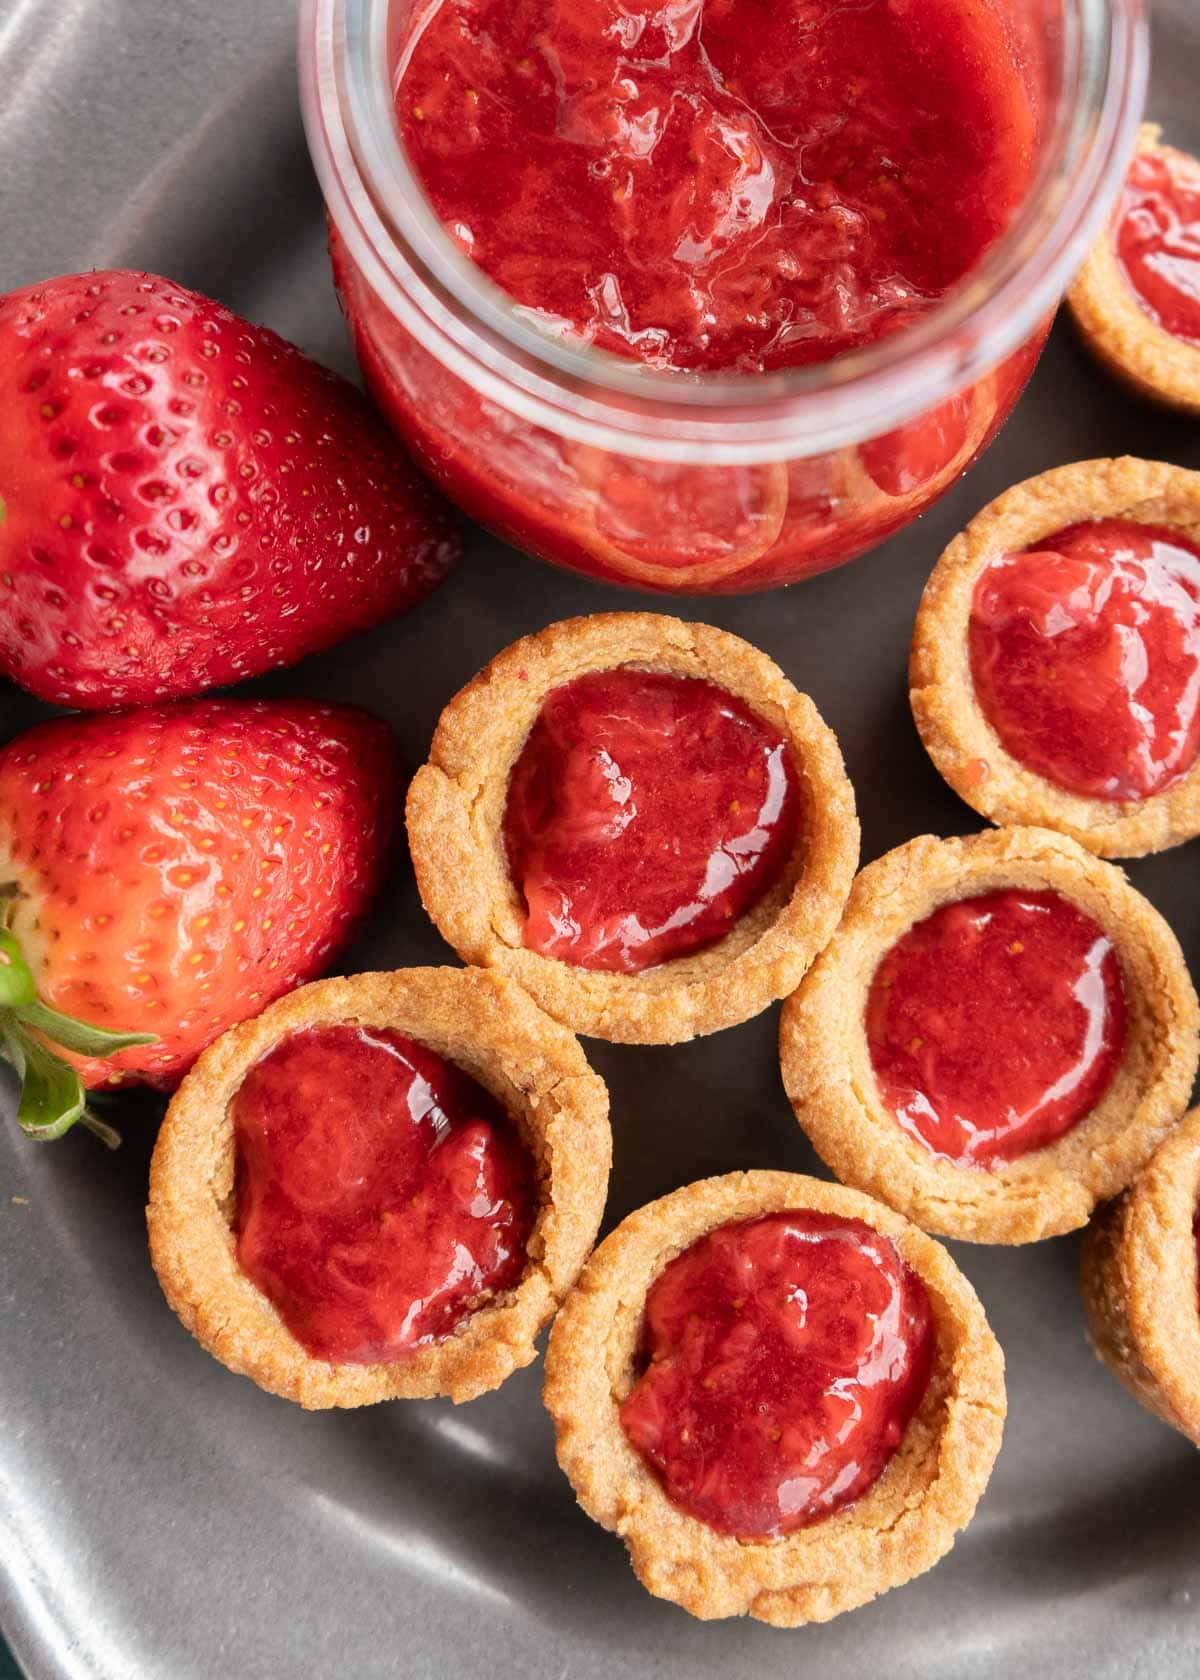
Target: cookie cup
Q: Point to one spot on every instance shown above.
(1125, 340)
(456, 806)
(826, 1063)
(958, 737)
(1138, 1277)
(898, 1529)
(486, 1025)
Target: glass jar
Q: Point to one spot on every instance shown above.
(713, 483)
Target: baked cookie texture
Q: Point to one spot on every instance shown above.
(456, 805)
(1138, 1277)
(831, 1084)
(958, 737)
(488, 1026)
(1124, 339)
(897, 1530)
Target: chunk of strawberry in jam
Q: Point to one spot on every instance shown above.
(382, 1195)
(646, 814)
(1157, 239)
(1085, 657)
(996, 1024)
(783, 1359)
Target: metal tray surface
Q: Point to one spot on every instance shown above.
(162, 1518)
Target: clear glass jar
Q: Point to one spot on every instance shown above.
(715, 483)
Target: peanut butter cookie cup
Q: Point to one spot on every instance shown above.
(997, 1038)
(1138, 1275)
(1055, 669)
(638, 819)
(781, 1395)
(381, 1187)
(1136, 302)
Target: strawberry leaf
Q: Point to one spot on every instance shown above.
(52, 1096)
(77, 1036)
(108, 1135)
(16, 982)
(52, 1093)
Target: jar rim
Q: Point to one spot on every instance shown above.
(459, 315)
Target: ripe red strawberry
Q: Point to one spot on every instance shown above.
(186, 499)
(169, 872)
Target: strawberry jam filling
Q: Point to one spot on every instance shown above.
(645, 814)
(1158, 240)
(382, 1195)
(996, 1024)
(718, 184)
(1085, 657)
(782, 1359)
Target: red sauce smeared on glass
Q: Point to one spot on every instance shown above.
(704, 184)
(996, 1024)
(382, 1195)
(1085, 656)
(645, 814)
(784, 1358)
(1158, 239)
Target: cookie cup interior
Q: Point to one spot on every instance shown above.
(488, 1027)
(958, 737)
(900, 1527)
(456, 807)
(831, 1084)
(1127, 341)
(1138, 1277)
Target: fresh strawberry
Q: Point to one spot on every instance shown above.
(186, 499)
(169, 872)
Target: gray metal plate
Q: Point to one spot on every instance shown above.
(161, 1518)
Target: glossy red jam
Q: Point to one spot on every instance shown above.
(996, 1024)
(665, 526)
(645, 814)
(718, 184)
(382, 1195)
(783, 1359)
(1158, 239)
(1085, 656)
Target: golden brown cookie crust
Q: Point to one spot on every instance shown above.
(488, 1026)
(456, 814)
(1117, 330)
(1138, 1276)
(958, 737)
(897, 1530)
(827, 1069)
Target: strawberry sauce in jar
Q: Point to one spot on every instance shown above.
(670, 291)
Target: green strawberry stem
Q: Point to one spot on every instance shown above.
(17, 989)
(52, 1094)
